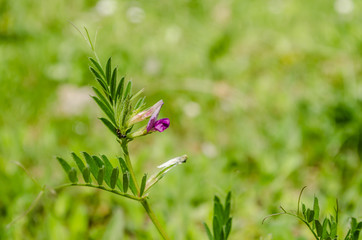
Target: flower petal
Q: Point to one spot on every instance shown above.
(146, 114)
(162, 124)
(152, 121)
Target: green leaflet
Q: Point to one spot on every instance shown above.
(108, 70)
(227, 206)
(108, 173)
(113, 83)
(72, 174)
(103, 85)
(64, 164)
(123, 165)
(86, 175)
(124, 168)
(310, 215)
(228, 227)
(114, 177)
(137, 94)
(78, 161)
(319, 228)
(143, 184)
(140, 103)
(102, 98)
(89, 39)
(100, 175)
(98, 161)
(125, 109)
(119, 90)
(208, 231)
(108, 170)
(218, 210)
(324, 228)
(128, 90)
(316, 208)
(92, 165)
(105, 109)
(216, 227)
(222, 222)
(98, 66)
(100, 80)
(109, 125)
(125, 181)
(96, 74)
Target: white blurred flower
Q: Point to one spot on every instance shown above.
(173, 34)
(152, 66)
(135, 14)
(72, 100)
(58, 71)
(106, 7)
(221, 12)
(209, 150)
(79, 128)
(343, 6)
(276, 6)
(191, 109)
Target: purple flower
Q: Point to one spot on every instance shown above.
(157, 125)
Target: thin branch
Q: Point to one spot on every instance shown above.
(34, 203)
(27, 173)
(271, 215)
(306, 223)
(102, 188)
(300, 196)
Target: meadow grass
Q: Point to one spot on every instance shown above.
(263, 96)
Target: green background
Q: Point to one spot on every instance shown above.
(263, 96)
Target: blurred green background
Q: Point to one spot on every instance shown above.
(264, 97)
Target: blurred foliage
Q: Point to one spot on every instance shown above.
(264, 97)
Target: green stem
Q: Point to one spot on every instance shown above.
(144, 202)
(154, 219)
(124, 145)
(305, 222)
(34, 203)
(99, 187)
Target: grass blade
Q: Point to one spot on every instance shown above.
(208, 231)
(228, 227)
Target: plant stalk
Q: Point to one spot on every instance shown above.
(154, 220)
(144, 202)
(99, 187)
(124, 145)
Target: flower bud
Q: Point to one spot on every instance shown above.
(146, 114)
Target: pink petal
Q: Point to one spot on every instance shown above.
(162, 124)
